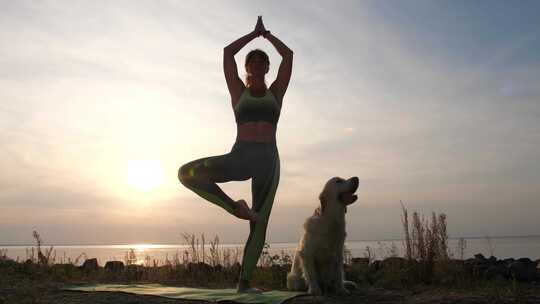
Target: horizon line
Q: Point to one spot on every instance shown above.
(280, 242)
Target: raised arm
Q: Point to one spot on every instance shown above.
(279, 86)
(234, 83)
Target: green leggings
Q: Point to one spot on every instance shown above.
(255, 160)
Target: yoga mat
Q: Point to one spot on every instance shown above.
(210, 295)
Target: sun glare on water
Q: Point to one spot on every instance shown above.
(144, 175)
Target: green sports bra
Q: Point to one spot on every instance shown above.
(250, 108)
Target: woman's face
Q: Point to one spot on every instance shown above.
(257, 65)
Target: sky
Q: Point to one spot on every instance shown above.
(432, 103)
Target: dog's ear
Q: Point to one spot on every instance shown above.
(322, 199)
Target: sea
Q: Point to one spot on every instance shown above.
(159, 254)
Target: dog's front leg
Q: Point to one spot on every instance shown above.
(342, 286)
(310, 274)
(338, 277)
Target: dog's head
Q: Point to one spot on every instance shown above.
(338, 193)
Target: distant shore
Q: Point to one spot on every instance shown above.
(277, 242)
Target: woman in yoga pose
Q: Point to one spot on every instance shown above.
(254, 154)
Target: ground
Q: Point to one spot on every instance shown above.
(53, 294)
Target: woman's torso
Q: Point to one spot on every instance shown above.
(257, 113)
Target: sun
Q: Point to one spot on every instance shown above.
(144, 175)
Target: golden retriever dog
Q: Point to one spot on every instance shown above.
(318, 260)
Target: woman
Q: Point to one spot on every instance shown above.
(254, 154)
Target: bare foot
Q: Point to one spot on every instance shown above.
(244, 212)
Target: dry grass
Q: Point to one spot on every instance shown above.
(425, 242)
(428, 241)
(197, 251)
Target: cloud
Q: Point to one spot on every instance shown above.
(418, 109)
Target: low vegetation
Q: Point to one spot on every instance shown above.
(426, 264)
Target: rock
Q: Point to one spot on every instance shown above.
(479, 256)
(394, 263)
(522, 270)
(359, 262)
(8, 263)
(508, 261)
(477, 265)
(500, 263)
(495, 271)
(90, 265)
(526, 260)
(114, 266)
(538, 272)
